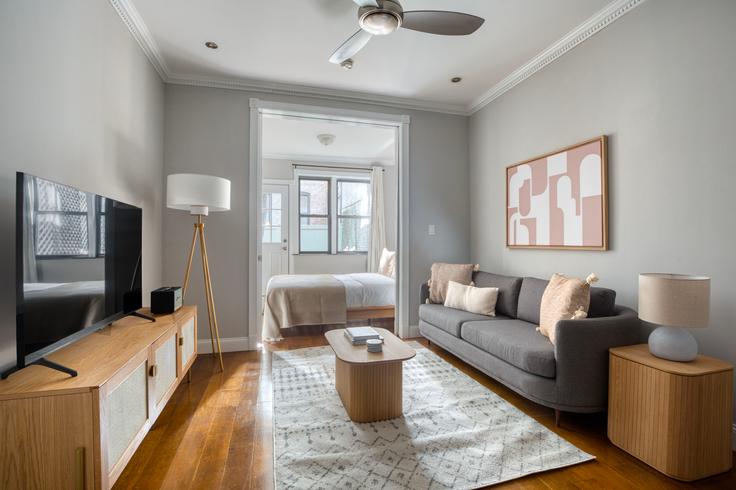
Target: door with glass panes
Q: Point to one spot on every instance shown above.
(275, 232)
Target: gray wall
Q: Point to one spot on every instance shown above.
(660, 82)
(79, 104)
(207, 130)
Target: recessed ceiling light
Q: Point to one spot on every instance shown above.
(211, 45)
(456, 79)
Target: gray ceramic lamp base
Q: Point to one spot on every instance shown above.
(673, 343)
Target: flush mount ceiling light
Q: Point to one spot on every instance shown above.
(326, 139)
(211, 45)
(456, 79)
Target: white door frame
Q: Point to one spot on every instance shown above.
(401, 124)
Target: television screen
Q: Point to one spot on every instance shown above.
(78, 264)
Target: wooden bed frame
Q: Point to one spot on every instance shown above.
(371, 312)
(353, 315)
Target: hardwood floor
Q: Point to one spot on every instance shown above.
(216, 433)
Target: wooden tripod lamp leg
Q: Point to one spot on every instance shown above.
(210, 297)
(189, 262)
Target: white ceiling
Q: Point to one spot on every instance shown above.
(289, 41)
(291, 138)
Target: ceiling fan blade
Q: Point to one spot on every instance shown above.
(366, 3)
(440, 22)
(351, 47)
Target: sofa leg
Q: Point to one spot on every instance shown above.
(557, 417)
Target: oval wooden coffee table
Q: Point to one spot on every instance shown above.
(370, 384)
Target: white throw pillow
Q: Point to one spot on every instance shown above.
(386, 264)
(472, 299)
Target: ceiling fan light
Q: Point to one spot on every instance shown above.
(380, 23)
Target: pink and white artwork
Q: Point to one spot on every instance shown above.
(559, 200)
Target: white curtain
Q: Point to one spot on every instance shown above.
(378, 220)
(30, 269)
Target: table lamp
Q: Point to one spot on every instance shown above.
(674, 301)
(200, 194)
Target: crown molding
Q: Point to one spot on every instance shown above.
(605, 17)
(138, 29)
(262, 86)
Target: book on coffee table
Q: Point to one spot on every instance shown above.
(358, 335)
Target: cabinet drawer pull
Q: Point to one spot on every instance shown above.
(152, 371)
(181, 340)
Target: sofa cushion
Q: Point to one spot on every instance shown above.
(448, 319)
(516, 342)
(530, 298)
(602, 300)
(508, 290)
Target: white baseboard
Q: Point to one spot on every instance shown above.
(229, 344)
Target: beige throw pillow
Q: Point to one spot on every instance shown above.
(387, 263)
(472, 299)
(565, 298)
(444, 273)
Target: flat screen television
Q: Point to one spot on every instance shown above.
(78, 266)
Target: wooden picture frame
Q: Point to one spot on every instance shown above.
(574, 176)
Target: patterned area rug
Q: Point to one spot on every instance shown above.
(455, 433)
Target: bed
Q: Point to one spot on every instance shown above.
(325, 299)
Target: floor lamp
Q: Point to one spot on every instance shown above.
(200, 194)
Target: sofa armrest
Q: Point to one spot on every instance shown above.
(581, 354)
(424, 294)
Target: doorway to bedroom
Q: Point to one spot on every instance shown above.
(329, 187)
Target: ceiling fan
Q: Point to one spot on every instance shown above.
(382, 17)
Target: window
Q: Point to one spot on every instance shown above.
(101, 203)
(272, 209)
(353, 215)
(68, 223)
(314, 215)
(61, 223)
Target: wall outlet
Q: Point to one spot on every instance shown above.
(430, 230)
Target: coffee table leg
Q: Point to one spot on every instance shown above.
(370, 392)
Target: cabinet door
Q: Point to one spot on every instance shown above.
(124, 417)
(163, 373)
(187, 343)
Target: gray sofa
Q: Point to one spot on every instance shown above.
(569, 376)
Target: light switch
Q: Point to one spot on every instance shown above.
(430, 230)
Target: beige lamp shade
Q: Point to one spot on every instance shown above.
(675, 300)
(198, 194)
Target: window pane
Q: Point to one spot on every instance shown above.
(314, 197)
(57, 197)
(276, 235)
(266, 234)
(266, 200)
(61, 234)
(276, 218)
(353, 198)
(314, 235)
(276, 200)
(353, 234)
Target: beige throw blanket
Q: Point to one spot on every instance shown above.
(302, 299)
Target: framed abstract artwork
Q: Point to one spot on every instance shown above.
(559, 200)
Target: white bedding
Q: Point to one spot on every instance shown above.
(365, 289)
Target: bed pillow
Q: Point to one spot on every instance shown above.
(442, 274)
(564, 298)
(387, 263)
(469, 298)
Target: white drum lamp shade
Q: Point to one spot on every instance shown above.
(674, 301)
(198, 194)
